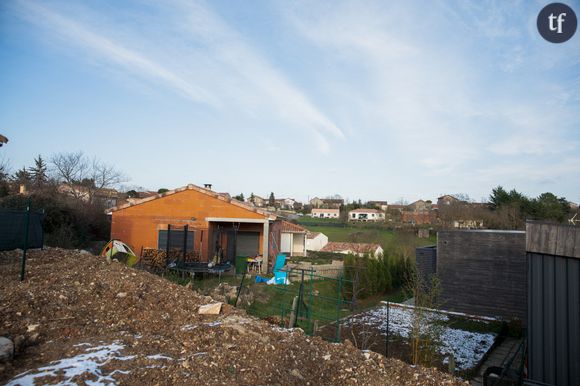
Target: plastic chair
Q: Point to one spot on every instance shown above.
(280, 277)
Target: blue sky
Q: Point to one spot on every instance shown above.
(370, 100)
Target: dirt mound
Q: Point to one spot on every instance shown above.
(83, 319)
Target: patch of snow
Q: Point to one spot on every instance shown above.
(467, 347)
(88, 362)
(159, 356)
(282, 329)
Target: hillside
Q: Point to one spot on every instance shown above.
(83, 319)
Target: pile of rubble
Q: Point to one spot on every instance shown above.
(78, 319)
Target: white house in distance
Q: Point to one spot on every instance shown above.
(359, 249)
(292, 239)
(315, 241)
(364, 214)
(325, 213)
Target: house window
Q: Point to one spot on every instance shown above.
(176, 240)
(354, 215)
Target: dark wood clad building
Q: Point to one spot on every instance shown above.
(483, 272)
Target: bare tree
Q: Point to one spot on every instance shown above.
(105, 176)
(70, 168)
(84, 177)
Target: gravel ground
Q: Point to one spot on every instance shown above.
(78, 319)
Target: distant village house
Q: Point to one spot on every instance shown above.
(364, 214)
(325, 213)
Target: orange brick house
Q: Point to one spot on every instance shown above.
(214, 222)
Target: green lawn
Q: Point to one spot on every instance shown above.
(387, 238)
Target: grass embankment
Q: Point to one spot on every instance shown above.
(387, 238)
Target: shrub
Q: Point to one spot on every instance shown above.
(375, 275)
(67, 223)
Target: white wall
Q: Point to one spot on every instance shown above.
(298, 245)
(286, 242)
(292, 243)
(324, 214)
(317, 243)
(371, 216)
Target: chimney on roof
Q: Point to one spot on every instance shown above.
(207, 186)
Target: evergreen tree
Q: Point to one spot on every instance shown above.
(21, 177)
(272, 200)
(38, 175)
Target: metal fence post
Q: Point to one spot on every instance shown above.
(338, 304)
(240, 289)
(185, 230)
(168, 242)
(300, 296)
(311, 293)
(25, 246)
(354, 289)
(388, 329)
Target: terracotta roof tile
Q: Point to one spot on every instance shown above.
(198, 189)
(366, 210)
(289, 227)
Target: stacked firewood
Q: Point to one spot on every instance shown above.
(191, 256)
(154, 258)
(157, 258)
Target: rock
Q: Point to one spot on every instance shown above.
(297, 374)
(19, 341)
(326, 357)
(122, 294)
(210, 309)
(32, 327)
(33, 339)
(6, 349)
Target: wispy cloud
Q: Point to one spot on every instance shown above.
(113, 52)
(205, 54)
(413, 96)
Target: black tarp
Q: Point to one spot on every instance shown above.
(13, 228)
